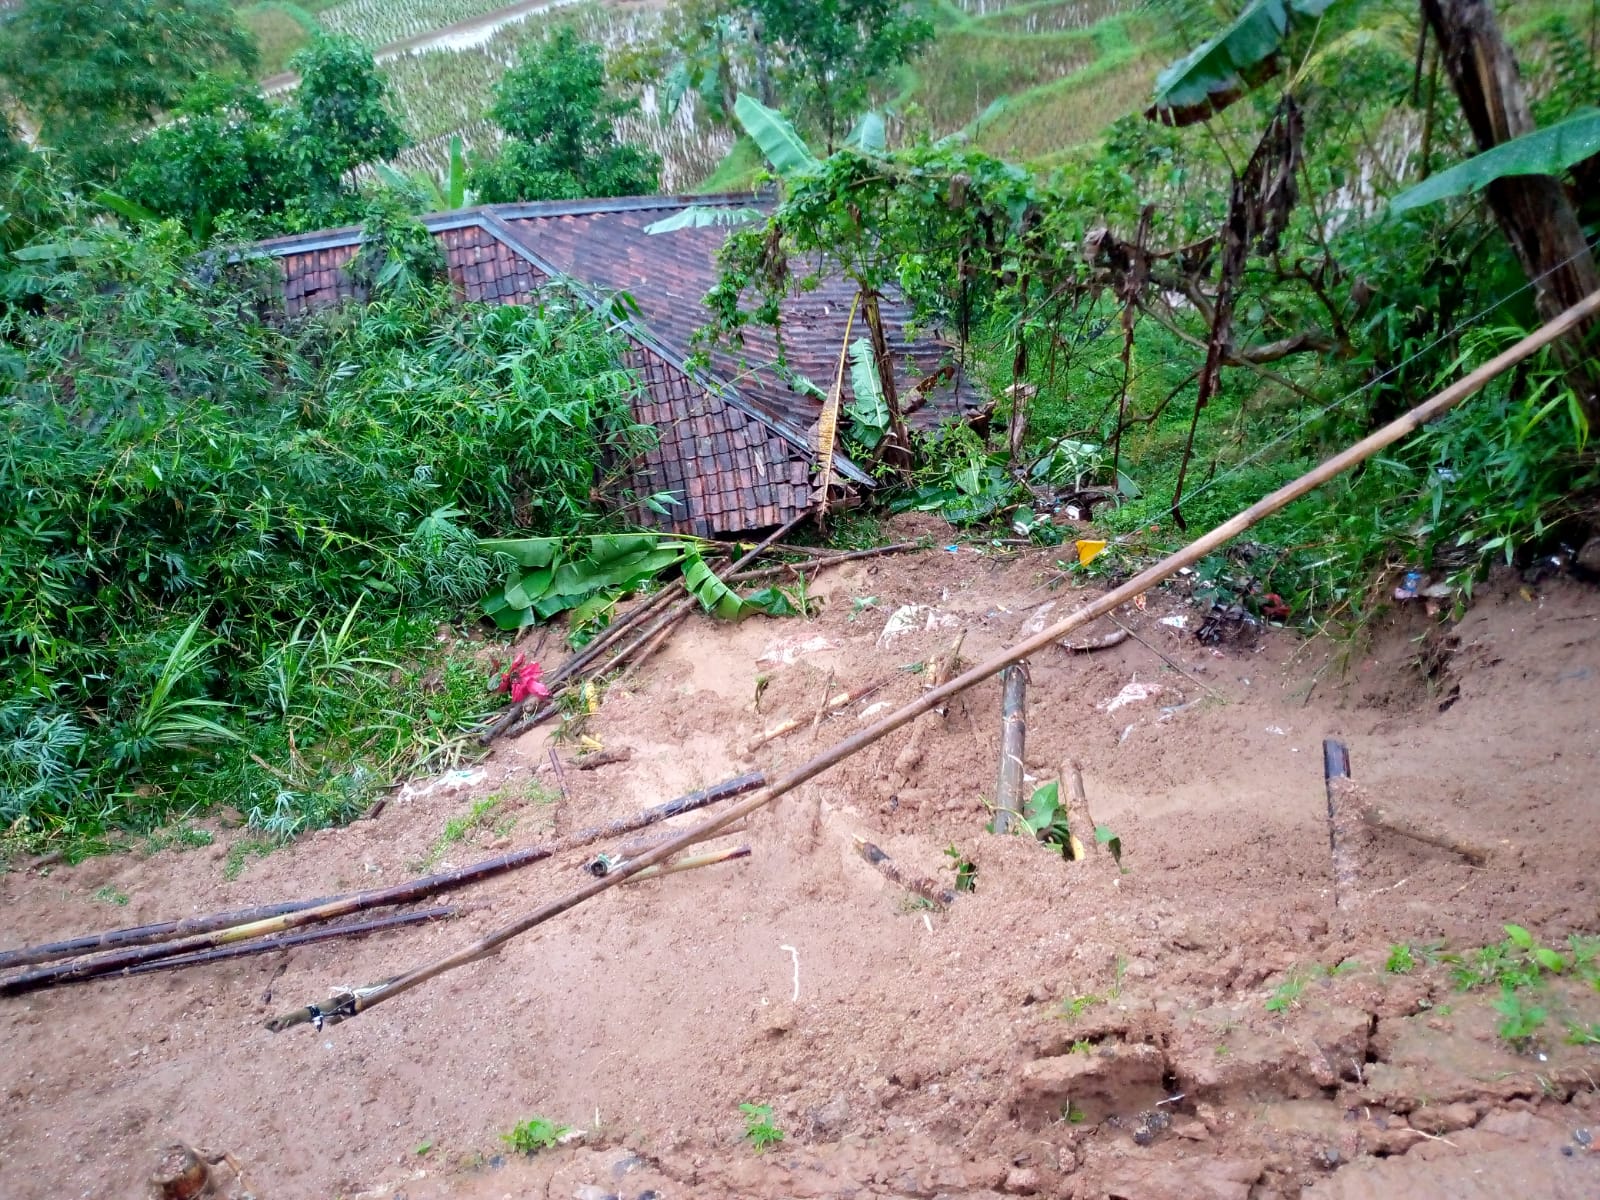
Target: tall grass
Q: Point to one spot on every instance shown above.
(227, 542)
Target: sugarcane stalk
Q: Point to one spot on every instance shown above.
(1013, 734)
(288, 940)
(404, 893)
(350, 1002)
(1343, 822)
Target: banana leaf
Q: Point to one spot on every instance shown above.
(784, 148)
(1221, 70)
(1548, 151)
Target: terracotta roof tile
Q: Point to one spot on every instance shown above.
(733, 468)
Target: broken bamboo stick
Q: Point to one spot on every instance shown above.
(784, 728)
(129, 955)
(349, 1002)
(690, 862)
(939, 897)
(513, 716)
(289, 940)
(1343, 823)
(818, 564)
(1013, 735)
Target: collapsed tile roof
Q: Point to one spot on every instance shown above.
(736, 445)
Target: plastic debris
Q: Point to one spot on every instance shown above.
(1133, 693)
(1089, 550)
(788, 653)
(913, 618)
(1178, 621)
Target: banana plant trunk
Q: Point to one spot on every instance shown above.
(1533, 211)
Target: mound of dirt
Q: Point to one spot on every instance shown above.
(1201, 1022)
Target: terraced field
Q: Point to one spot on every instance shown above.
(1028, 79)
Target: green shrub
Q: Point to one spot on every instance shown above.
(226, 541)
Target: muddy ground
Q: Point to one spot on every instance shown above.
(1180, 1028)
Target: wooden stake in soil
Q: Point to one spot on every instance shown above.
(1013, 733)
(1344, 823)
(349, 1002)
(339, 906)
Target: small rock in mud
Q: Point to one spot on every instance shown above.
(829, 1119)
(1021, 1181)
(1443, 1118)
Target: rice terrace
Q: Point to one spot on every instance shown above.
(768, 599)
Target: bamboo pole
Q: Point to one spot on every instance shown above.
(288, 940)
(349, 1002)
(404, 893)
(1342, 823)
(1013, 734)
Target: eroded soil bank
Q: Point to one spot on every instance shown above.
(1181, 1029)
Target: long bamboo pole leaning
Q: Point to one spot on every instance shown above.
(126, 956)
(349, 1002)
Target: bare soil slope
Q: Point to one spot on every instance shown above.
(1172, 1031)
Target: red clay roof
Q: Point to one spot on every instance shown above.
(735, 442)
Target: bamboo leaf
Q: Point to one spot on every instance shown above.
(784, 148)
(1548, 151)
(1221, 70)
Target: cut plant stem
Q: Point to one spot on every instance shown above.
(1013, 735)
(351, 1001)
(339, 906)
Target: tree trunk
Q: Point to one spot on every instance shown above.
(1533, 210)
(897, 446)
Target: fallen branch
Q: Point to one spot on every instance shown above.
(819, 564)
(340, 906)
(1013, 733)
(349, 1002)
(286, 941)
(939, 897)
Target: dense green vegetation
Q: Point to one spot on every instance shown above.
(228, 541)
